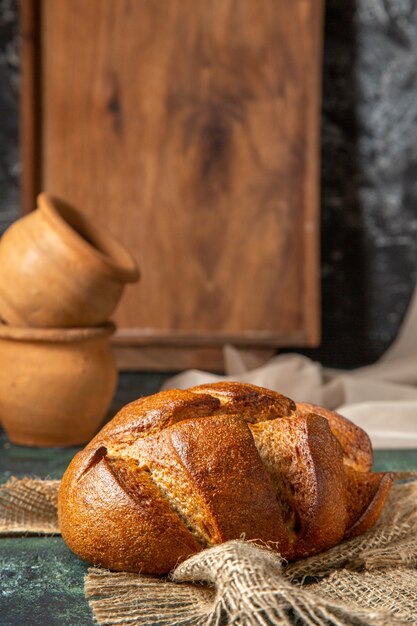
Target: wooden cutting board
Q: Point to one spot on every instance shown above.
(190, 130)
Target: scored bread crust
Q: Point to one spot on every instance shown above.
(183, 470)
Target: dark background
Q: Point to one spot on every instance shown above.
(369, 169)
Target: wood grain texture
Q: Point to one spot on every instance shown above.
(30, 104)
(190, 130)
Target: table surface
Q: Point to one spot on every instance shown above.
(41, 581)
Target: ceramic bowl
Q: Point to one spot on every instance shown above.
(56, 385)
(58, 270)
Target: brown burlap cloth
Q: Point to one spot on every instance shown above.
(369, 580)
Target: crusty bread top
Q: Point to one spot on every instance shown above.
(180, 470)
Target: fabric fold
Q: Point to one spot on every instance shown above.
(370, 580)
(367, 395)
(367, 581)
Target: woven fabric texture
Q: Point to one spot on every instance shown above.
(29, 506)
(370, 580)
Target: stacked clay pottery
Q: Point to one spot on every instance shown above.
(57, 270)
(58, 383)
(61, 278)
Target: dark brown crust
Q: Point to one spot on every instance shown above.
(368, 493)
(354, 441)
(177, 471)
(327, 521)
(254, 404)
(231, 478)
(309, 464)
(131, 530)
(161, 410)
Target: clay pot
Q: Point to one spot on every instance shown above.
(58, 270)
(56, 385)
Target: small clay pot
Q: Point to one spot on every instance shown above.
(56, 385)
(58, 270)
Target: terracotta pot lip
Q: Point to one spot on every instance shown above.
(55, 335)
(119, 261)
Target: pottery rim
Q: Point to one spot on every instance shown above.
(55, 335)
(92, 240)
